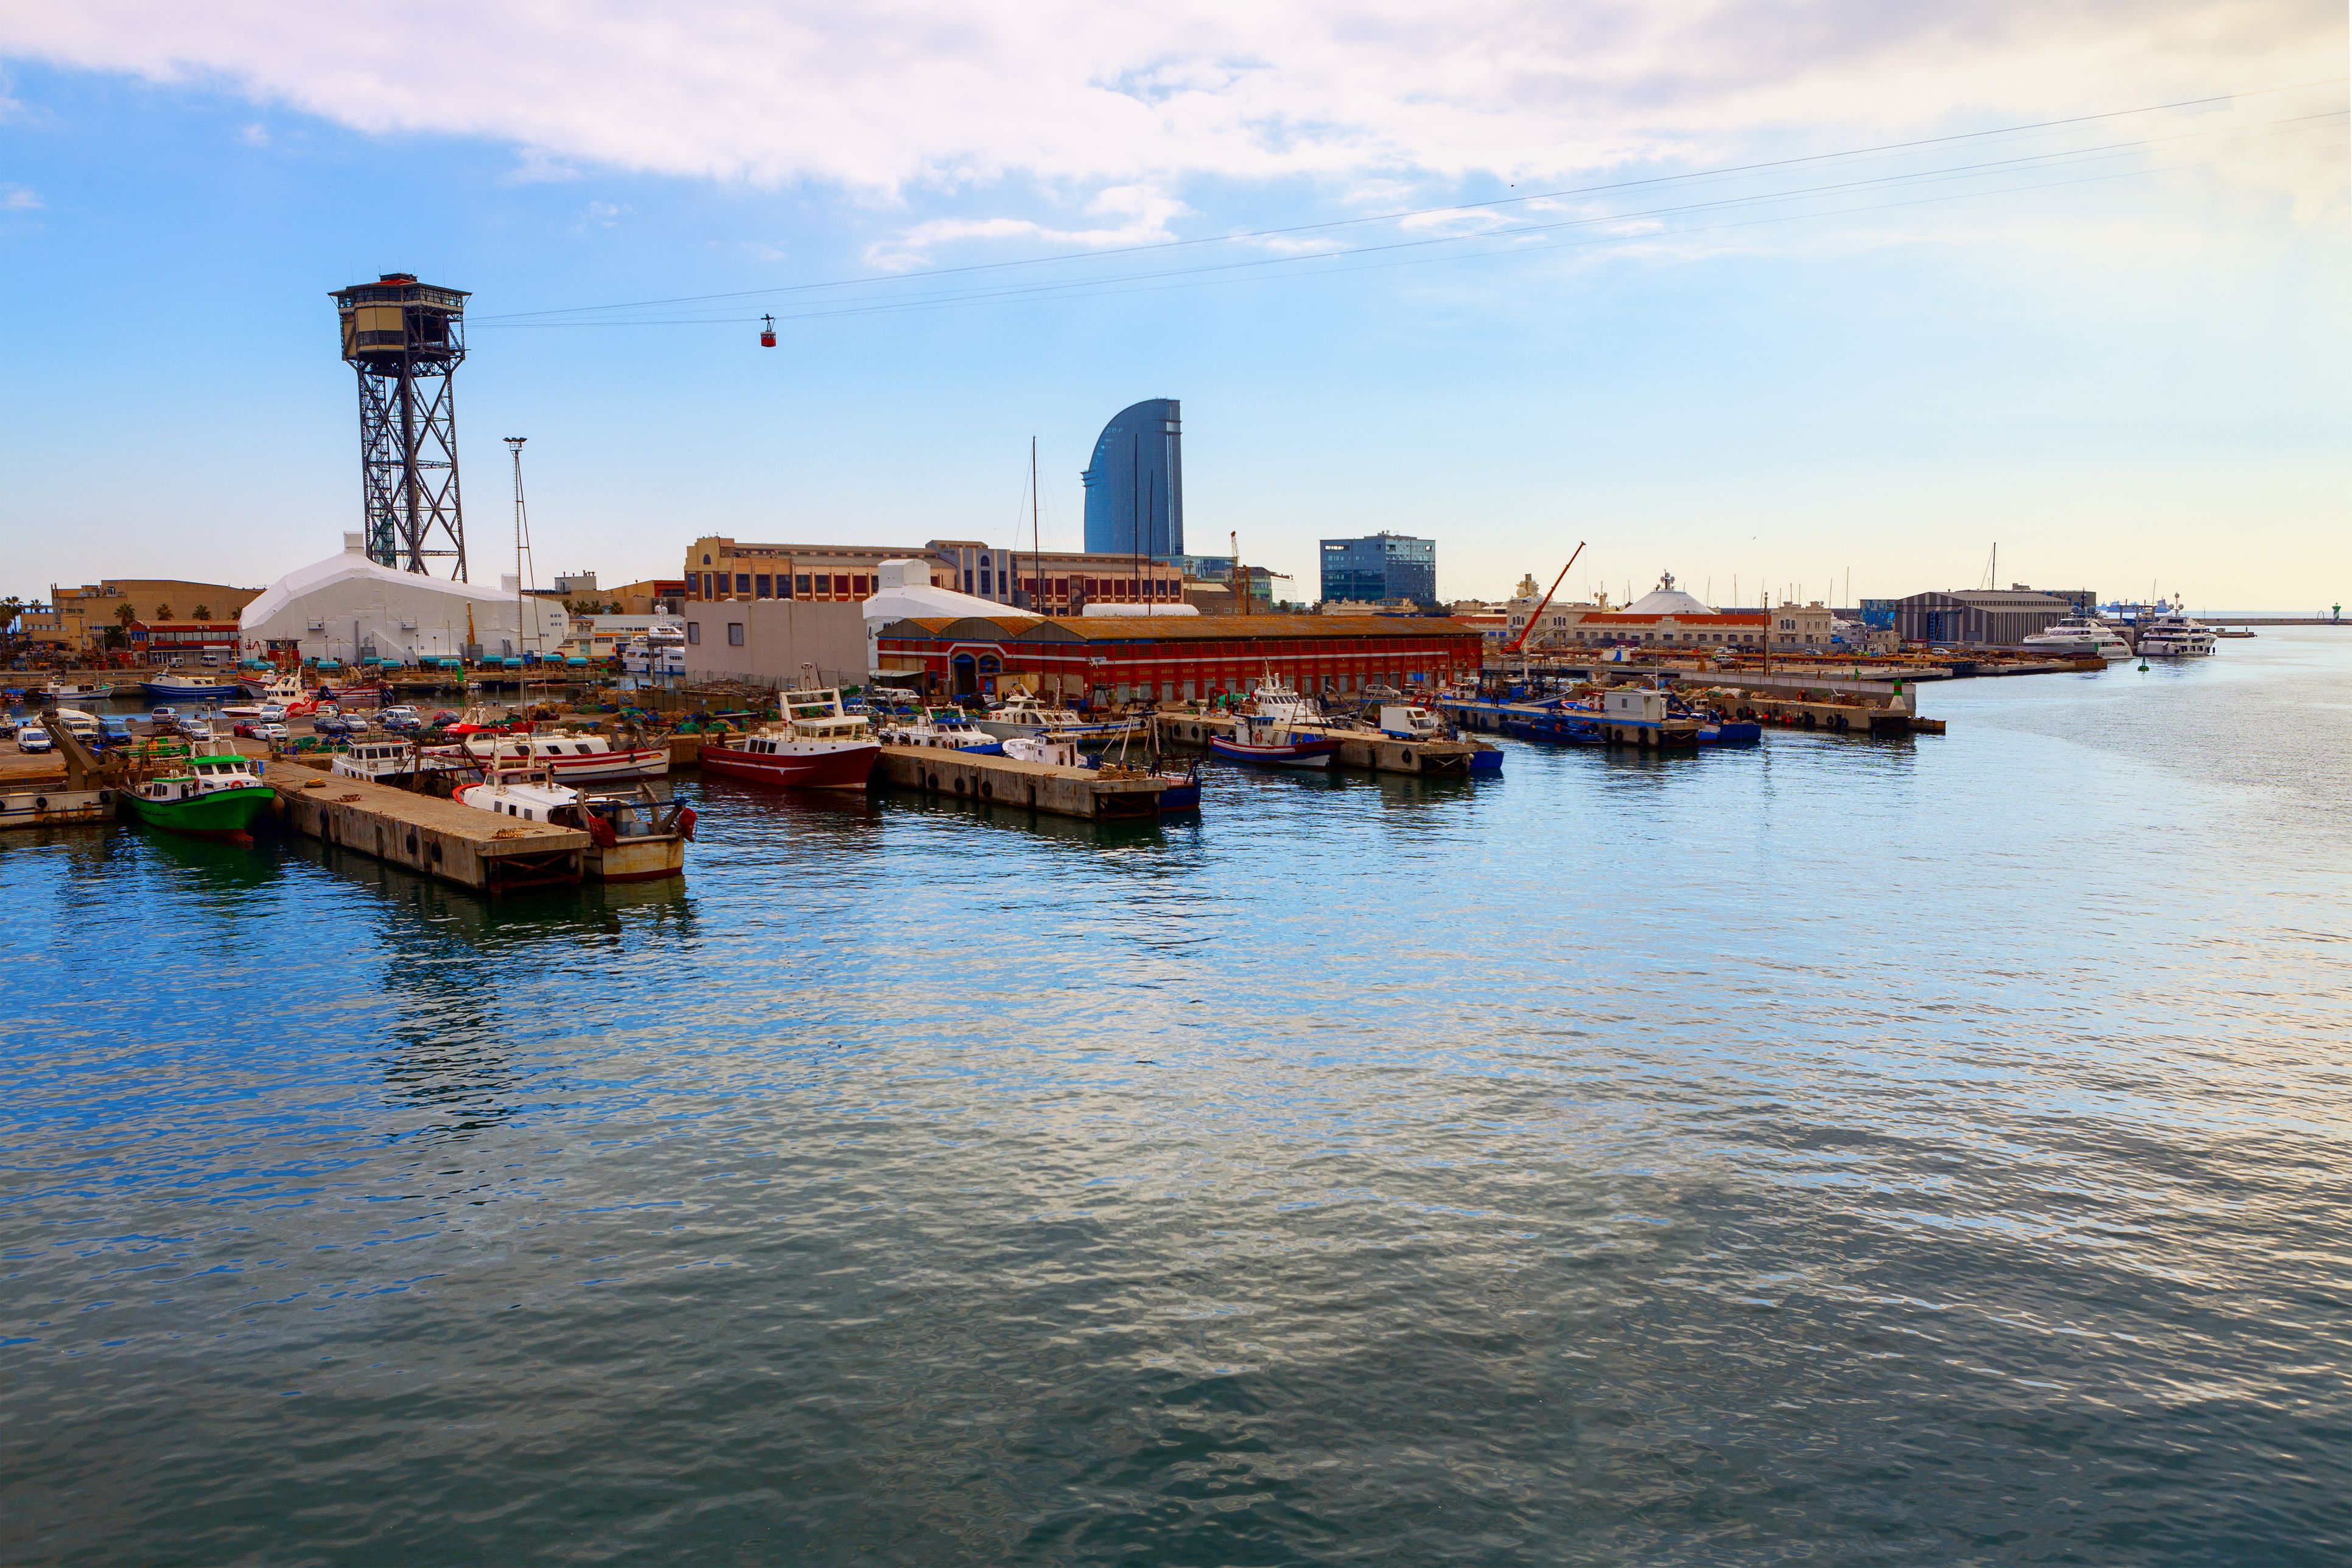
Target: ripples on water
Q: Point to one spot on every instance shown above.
(1927, 1152)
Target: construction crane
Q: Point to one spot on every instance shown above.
(1517, 643)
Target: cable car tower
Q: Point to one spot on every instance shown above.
(406, 338)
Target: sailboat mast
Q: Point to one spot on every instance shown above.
(1036, 567)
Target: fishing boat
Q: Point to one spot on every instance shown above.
(818, 744)
(944, 729)
(395, 762)
(1273, 742)
(2079, 636)
(64, 691)
(1559, 723)
(282, 687)
(1269, 699)
(631, 837)
(217, 796)
(1021, 714)
(178, 687)
(568, 758)
(1181, 791)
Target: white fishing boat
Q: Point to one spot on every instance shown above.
(283, 687)
(2175, 635)
(2079, 636)
(395, 762)
(568, 758)
(1021, 714)
(1270, 699)
(61, 691)
(943, 730)
(1053, 751)
(631, 837)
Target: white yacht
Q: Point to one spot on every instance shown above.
(658, 650)
(2174, 636)
(63, 692)
(2080, 635)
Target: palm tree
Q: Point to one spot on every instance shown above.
(204, 612)
(163, 612)
(125, 615)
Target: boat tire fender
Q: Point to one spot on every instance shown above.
(40, 803)
(987, 791)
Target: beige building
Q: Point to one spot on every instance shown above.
(776, 642)
(77, 619)
(718, 569)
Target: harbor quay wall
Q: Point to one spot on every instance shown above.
(1033, 786)
(437, 837)
(1365, 750)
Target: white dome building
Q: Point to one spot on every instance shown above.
(348, 607)
(1666, 599)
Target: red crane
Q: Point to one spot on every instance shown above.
(1519, 641)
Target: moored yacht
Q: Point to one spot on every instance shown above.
(2079, 635)
(2175, 635)
(68, 691)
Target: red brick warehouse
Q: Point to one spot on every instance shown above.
(1175, 658)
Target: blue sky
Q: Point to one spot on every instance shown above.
(2120, 354)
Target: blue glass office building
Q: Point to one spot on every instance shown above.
(1135, 486)
(1383, 567)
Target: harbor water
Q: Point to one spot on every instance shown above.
(1934, 1151)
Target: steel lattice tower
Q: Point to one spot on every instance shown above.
(407, 340)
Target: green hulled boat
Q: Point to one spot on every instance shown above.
(212, 795)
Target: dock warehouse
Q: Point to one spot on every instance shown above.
(1121, 658)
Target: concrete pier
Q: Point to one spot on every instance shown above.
(440, 838)
(1034, 786)
(1366, 749)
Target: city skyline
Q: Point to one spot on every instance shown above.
(1742, 325)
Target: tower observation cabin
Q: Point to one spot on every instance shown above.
(406, 339)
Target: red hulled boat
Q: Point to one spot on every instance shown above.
(817, 745)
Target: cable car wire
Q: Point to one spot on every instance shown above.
(1403, 216)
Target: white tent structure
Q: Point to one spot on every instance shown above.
(1667, 599)
(903, 591)
(348, 607)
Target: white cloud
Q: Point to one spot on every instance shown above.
(18, 199)
(254, 135)
(1146, 213)
(1080, 96)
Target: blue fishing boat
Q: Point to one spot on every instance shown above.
(1272, 743)
(191, 688)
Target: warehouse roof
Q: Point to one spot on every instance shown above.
(1016, 627)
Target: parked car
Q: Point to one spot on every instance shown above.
(400, 719)
(164, 718)
(330, 721)
(33, 738)
(442, 720)
(272, 713)
(265, 731)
